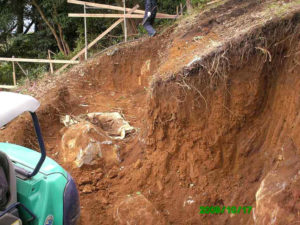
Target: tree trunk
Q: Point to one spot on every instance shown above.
(20, 16)
(131, 23)
(62, 39)
(132, 26)
(61, 35)
(35, 16)
(189, 6)
(52, 28)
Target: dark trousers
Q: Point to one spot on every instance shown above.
(148, 25)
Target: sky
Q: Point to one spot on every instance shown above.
(26, 23)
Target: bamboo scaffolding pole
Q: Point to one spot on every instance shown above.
(104, 6)
(51, 65)
(125, 25)
(181, 9)
(14, 74)
(8, 87)
(38, 60)
(213, 2)
(96, 15)
(98, 38)
(85, 35)
(26, 74)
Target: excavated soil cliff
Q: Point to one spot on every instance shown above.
(215, 100)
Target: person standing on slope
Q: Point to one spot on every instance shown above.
(150, 13)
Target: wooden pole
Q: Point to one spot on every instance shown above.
(125, 25)
(85, 34)
(51, 65)
(26, 74)
(103, 6)
(14, 73)
(7, 87)
(98, 38)
(177, 10)
(96, 15)
(38, 60)
(189, 6)
(181, 9)
(213, 2)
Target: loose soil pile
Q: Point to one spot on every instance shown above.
(215, 100)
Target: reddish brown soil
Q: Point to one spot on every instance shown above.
(208, 139)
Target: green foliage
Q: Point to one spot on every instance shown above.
(25, 46)
(6, 73)
(33, 45)
(37, 43)
(141, 30)
(169, 6)
(38, 71)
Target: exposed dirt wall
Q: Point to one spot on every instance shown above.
(218, 132)
(216, 141)
(126, 69)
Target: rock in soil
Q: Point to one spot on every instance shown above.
(84, 143)
(137, 210)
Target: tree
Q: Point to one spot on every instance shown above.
(131, 24)
(7, 24)
(189, 6)
(57, 32)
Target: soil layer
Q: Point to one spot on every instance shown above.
(215, 102)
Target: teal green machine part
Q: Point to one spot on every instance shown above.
(43, 194)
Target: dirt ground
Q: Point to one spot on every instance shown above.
(215, 100)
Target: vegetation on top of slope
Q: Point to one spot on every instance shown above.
(29, 28)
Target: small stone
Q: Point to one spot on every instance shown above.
(99, 176)
(88, 189)
(121, 174)
(113, 173)
(137, 209)
(99, 170)
(84, 180)
(138, 164)
(189, 201)
(159, 185)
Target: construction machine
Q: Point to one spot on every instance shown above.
(34, 189)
